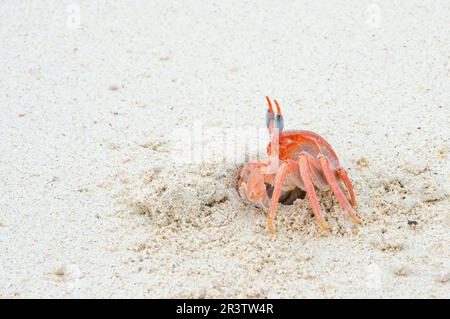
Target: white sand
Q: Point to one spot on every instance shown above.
(92, 205)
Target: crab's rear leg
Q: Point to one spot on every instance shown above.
(336, 189)
(348, 184)
(305, 174)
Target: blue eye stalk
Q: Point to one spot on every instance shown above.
(279, 122)
(274, 121)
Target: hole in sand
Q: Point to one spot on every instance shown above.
(287, 198)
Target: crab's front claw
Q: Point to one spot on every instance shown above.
(251, 186)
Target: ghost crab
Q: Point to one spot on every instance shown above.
(297, 160)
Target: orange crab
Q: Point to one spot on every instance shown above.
(298, 160)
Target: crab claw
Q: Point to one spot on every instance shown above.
(251, 186)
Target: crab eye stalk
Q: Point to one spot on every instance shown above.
(279, 122)
(269, 118)
(269, 114)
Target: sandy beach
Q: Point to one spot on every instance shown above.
(117, 180)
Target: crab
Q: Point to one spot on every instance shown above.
(298, 161)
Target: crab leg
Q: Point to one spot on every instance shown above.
(305, 174)
(348, 184)
(331, 179)
(278, 183)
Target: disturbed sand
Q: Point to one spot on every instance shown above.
(100, 196)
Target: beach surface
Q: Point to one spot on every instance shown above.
(121, 133)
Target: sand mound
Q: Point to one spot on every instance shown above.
(200, 225)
